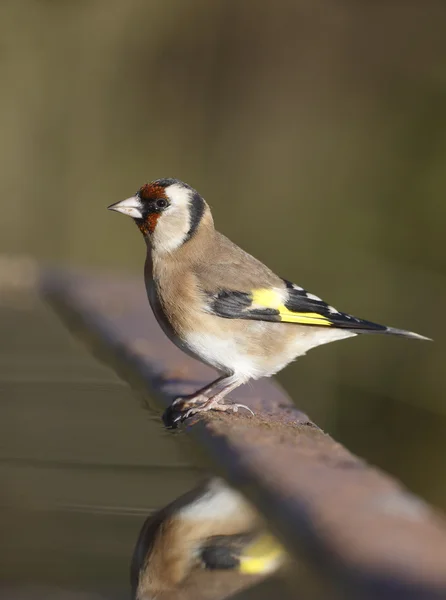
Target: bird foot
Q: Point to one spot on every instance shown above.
(173, 414)
(180, 410)
(217, 406)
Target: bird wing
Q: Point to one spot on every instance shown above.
(287, 304)
(238, 286)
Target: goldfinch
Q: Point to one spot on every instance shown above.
(211, 527)
(220, 304)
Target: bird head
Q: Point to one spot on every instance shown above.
(166, 211)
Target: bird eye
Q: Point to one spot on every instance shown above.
(161, 203)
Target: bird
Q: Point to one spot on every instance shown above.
(220, 304)
(209, 528)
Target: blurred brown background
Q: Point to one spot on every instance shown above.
(317, 133)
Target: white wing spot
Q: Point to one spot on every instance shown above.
(298, 288)
(332, 310)
(314, 297)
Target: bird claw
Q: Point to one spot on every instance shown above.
(235, 407)
(174, 415)
(217, 407)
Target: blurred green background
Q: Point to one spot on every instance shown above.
(317, 133)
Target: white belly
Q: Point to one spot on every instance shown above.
(230, 353)
(225, 354)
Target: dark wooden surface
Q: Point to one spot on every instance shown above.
(359, 529)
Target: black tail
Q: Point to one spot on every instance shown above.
(346, 321)
(391, 331)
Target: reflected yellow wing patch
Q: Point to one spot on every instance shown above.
(274, 299)
(264, 555)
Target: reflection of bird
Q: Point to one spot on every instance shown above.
(219, 303)
(210, 527)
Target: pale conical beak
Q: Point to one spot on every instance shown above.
(132, 207)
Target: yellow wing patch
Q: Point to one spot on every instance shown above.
(274, 298)
(267, 298)
(289, 316)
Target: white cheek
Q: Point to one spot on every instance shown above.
(174, 224)
(171, 229)
(178, 195)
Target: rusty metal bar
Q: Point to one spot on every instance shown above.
(356, 527)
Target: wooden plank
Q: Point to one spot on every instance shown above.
(357, 527)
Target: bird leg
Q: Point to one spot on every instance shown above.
(175, 412)
(214, 402)
(201, 395)
(205, 399)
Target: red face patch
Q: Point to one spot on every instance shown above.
(149, 223)
(150, 193)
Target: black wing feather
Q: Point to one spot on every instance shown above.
(299, 300)
(234, 304)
